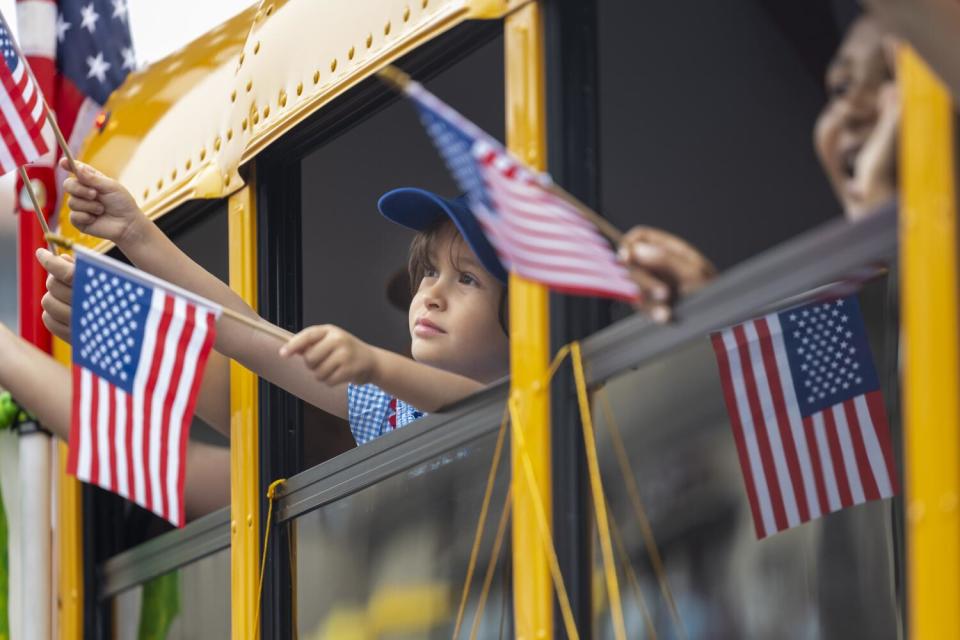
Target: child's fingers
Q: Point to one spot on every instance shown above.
(328, 370)
(86, 206)
(59, 290)
(317, 354)
(90, 177)
(302, 340)
(653, 287)
(57, 309)
(79, 190)
(82, 220)
(661, 313)
(56, 327)
(57, 266)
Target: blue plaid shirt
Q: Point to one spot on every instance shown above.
(373, 412)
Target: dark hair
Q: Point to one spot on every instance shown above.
(420, 261)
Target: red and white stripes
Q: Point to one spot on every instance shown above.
(542, 237)
(134, 444)
(21, 117)
(796, 467)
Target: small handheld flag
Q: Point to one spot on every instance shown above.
(807, 413)
(538, 232)
(22, 111)
(139, 350)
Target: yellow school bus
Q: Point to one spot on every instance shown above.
(261, 149)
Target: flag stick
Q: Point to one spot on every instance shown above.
(257, 324)
(36, 207)
(61, 141)
(399, 79)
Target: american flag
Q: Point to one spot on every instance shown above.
(21, 109)
(80, 52)
(807, 414)
(139, 350)
(536, 233)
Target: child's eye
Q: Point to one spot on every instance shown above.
(430, 272)
(468, 279)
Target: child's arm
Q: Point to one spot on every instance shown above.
(43, 387)
(37, 381)
(335, 358)
(213, 401)
(100, 206)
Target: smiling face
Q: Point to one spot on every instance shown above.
(455, 313)
(859, 81)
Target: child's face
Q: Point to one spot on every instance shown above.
(454, 315)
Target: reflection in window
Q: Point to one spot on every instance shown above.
(833, 577)
(190, 602)
(390, 560)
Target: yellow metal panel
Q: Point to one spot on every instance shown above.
(928, 245)
(180, 129)
(244, 427)
(160, 138)
(529, 335)
(70, 529)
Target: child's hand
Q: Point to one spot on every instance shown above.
(57, 301)
(333, 355)
(665, 267)
(100, 206)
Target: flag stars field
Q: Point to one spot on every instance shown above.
(62, 27)
(98, 67)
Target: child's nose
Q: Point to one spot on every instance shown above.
(435, 296)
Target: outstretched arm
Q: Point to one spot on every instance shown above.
(102, 207)
(335, 357)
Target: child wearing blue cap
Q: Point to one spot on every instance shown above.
(456, 319)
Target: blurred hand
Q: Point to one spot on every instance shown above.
(99, 205)
(665, 267)
(333, 355)
(875, 175)
(57, 301)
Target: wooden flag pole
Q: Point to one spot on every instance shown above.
(257, 324)
(399, 79)
(61, 141)
(36, 207)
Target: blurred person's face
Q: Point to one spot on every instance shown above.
(855, 135)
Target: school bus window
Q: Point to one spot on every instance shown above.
(355, 261)
(410, 527)
(702, 566)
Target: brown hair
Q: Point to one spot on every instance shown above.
(420, 260)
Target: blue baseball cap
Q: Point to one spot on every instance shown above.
(417, 209)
